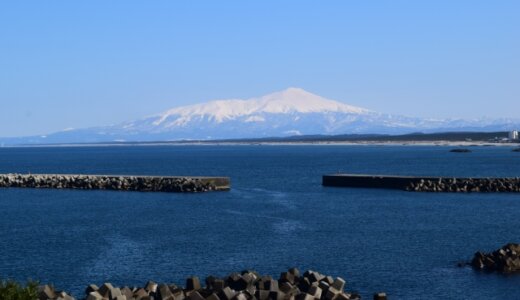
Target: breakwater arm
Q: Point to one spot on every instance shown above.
(115, 182)
(424, 184)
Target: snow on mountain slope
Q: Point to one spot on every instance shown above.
(291, 100)
(293, 111)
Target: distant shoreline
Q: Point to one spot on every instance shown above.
(281, 143)
(449, 139)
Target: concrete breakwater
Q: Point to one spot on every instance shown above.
(424, 184)
(114, 182)
(247, 285)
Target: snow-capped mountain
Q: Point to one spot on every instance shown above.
(293, 111)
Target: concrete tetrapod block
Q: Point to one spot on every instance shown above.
(315, 291)
(339, 284)
(218, 284)
(164, 292)
(262, 294)
(151, 287)
(104, 289)
(213, 296)
(287, 277)
(126, 291)
(46, 292)
(323, 286)
(285, 287)
(295, 272)
(342, 296)
(236, 282)
(315, 276)
(63, 296)
(330, 293)
(193, 283)
(95, 295)
(195, 295)
(272, 285)
(304, 284)
(305, 296)
(249, 278)
(140, 294)
(114, 293)
(226, 293)
(328, 279)
(276, 295)
(380, 296)
(178, 294)
(209, 282)
(91, 288)
(241, 296)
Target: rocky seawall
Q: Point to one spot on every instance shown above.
(113, 182)
(465, 185)
(504, 260)
(247, 285)
(424, 184)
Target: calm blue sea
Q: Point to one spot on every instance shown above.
(276, 216)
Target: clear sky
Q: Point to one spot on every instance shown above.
(78, 64)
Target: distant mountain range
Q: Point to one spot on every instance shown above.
(291, 112)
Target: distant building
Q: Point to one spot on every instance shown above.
(513, 135)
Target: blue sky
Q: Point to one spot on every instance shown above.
(79, 64)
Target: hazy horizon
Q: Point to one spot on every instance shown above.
(80, 65)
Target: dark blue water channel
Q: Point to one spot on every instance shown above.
(277, 215)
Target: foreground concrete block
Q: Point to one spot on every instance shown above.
(127, 292)
(178, 294)
(46, 292)
(342, 296)
(219, 284)
(262, 294)
(105, 289)
(323, 286)
(315, 291)
(213, 296)
(331, 293)
(295, 272)
(328, 279)
(91, 288)
(279, 295)
(226, 293)
(164, 292)
(94, 296)
(151, 287)
(195, 295)
(114, 293)
(305, 296)
(287, 277)
(241, 296)
(380, 296)
(285, 287)
(304, 284)
(140, 293)
(193, 283)
(339, 284)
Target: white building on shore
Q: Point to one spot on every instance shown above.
(513, 135)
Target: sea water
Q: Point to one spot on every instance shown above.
(277, 215)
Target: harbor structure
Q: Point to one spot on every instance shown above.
(513, 135)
